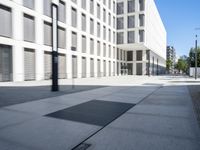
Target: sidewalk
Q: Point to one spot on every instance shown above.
(159, 118)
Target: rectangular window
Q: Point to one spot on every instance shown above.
(83, 44)
(104, 49)
(91, 26)
(47, 7)
(104, 15)
(61, 11)
(114, 38)
(109, 19)
(92, 6)
(117, 53)
(139, 55)
(74, 1)
(109, 49)
(131, 6)
(109, 35)
(141, 19)
(142, 5)
(83, 4)
(130, 56)
(141, 35)
(120, 23)
(98, 48)
(131, 37)
(104, 32)
(114, 5)
(83, 22)
(91, 46)
(98, 29)
(29, 28)
(98, 11)
(6, 21)
(74, 41)
(74, 17)
(114, 52)
(131, 21)
(120, 8)
(114, 22)
(84, 67)
(91, 67)
(109, 4)
(120, 37)
(29, 3)
(61, 38)
(47, 34)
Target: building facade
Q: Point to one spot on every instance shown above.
(96, 38)
(171, 55)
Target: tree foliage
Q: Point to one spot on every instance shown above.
(168, 64)
(182, 64)
(192, 57)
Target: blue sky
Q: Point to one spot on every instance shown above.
(180, 18)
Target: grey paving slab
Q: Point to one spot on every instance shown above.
(37, 107)
(94, 112)
(9, 118)
(8, 145)
(172, 111)
(119, 139)
(48, 134)
(166, 126)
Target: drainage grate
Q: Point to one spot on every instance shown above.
(96, 112)
(82, 146)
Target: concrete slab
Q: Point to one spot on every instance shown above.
(48, 134)
(9, 145)
(37, 107)
(121, 139)
(162, 125)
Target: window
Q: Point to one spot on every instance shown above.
(61, 12)
(91, 26)
(109, 35)
(131, 37)
(98, 29)
(104, 32)
(117, 53)
(47, 7)
(83, 22)
(141, 35)
(130, 56)
(139, 55)
(109, 4)
(91, 46)
(120, 8)
(47, 34)
(74, 41)
(114, 22)
(141, 19)
(114, 52)
(120, 23)
(114, 9)
(83, 4)
(131, 6)
(98, 48)
(114, 37)
(83, 44)
(104, 15)
(29, 28)
(120, 38)
(6, 21)
(92, 6)
(104, 49)
(109, 19)
(74, 17)
(104, 2)
(141, 3)
(98, 11)
(61, 38)
(131, 21)
(29, 3)
(147, 54)
(109, 49)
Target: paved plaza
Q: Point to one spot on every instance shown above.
(113, 113)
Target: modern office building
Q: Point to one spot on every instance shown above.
(95, 38)
(171, 55)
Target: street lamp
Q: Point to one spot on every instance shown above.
(54, 14)
(196, 53)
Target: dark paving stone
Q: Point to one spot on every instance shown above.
(16, 95)
(93, 112)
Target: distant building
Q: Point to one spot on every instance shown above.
(171, 55)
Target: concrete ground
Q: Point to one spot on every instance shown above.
(162, 118)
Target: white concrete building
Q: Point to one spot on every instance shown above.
(90, 39)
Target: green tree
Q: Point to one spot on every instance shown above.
(182, 64)
(168, 64)
(192, 57)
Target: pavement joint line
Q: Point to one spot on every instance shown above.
(75, 147)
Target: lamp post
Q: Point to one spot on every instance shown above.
(196, 58)
(54, 14)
